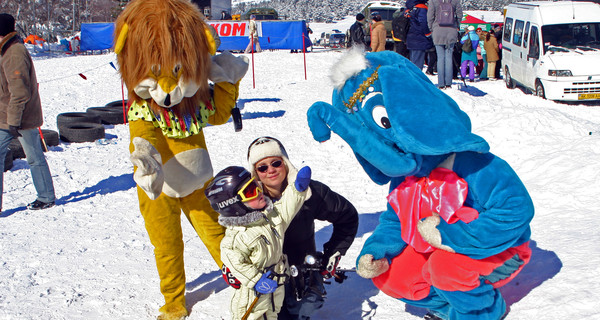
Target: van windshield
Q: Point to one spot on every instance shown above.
(572, 35)
(386, 14)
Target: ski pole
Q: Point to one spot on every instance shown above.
(43, 140)
(245, 316)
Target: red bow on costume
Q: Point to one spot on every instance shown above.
(442, 192)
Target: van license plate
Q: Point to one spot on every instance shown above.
(585, 96)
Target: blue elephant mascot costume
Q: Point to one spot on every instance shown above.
(457, 222)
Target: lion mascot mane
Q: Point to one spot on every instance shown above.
(165, 55)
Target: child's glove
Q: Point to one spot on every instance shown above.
(265, 284)
(330, 265)
(149, 174)
(230, 278)
(226, 67)
(369, 268)
(303, 179)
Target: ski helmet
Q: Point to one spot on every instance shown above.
(222, 192)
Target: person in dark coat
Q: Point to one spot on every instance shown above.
(418, 39)
(400, 25)
(357, 32)
(268, 162)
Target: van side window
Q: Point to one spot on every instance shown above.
(518, 34)
(508, 24)
(534, 43)
(526, 35)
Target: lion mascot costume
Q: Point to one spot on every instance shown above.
(166, 58)
(457, 222)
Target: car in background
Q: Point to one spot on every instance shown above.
(337, 40)
(261, 14)
(386, 10)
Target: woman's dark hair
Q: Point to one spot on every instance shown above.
(376, 18)
(488, 35)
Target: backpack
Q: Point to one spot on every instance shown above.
(467, 46)
(400, 25)
(445, 14)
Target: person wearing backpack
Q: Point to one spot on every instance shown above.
(400, 25)
(418, 38)
(468, 58)
(443, 19)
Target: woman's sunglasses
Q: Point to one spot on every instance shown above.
(263, 168)
(249, 191)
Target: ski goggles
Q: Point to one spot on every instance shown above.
(263, 168)
(250, 190)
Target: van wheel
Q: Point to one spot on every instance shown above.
(539, 89)
(510, 83)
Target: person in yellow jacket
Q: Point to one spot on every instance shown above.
(165, 55)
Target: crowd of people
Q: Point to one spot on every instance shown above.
(419, 36)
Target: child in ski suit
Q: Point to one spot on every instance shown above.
(253, 244)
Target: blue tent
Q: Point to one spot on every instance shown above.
(97, 36)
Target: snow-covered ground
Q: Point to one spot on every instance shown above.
(89, 257)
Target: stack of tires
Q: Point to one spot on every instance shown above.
(89, 126)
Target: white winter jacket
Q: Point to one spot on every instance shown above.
(249, 250)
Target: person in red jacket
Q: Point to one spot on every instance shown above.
(21, 112)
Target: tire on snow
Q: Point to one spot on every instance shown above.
(117, 103)
(8, 160)
(16, 149)
(108, 115)
(51, 138)
(75, 117)
(81, 132)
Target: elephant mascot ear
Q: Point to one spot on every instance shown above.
(426, 121)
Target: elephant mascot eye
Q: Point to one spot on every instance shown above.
(380, 117)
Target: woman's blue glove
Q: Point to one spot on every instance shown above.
(303, 179)
(265, 284)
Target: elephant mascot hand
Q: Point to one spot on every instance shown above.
(369, 268)
(429, 232)
(149, 174)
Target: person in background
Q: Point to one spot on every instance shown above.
(482, 34)
(469, 59)
(268, 162)
(253, 29)
(225, 15)
(252, 246)
(418, 38)
(400, 26)
(498, 33)
(493, 55)
(377, 34)
(444, 39)
(357, 32)
(21, 112)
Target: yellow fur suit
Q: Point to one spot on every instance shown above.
(164, 52)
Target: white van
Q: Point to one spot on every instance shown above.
(553, 49)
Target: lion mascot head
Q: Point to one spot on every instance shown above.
(163, 50)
